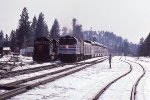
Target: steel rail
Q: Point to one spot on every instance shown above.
(25, 88)
(99, 93)
(134, 87)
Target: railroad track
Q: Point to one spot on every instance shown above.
(59, 70)
(30, 70)
(134, 88)
(133, 92)
(9, 64)
(143, 60)
(8, 74)
(6, 67)
(21, 86)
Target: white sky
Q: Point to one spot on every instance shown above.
(127, 18)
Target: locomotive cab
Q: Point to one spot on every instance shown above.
(69, 49)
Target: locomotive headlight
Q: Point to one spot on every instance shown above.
(67, 46)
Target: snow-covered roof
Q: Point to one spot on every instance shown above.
(6, 48)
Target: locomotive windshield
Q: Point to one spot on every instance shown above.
(67, 41)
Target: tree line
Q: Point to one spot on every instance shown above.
(116, 44)
(144, 46)
(28, 31)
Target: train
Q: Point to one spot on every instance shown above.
(72, 49)
(45, 49)
(66, 49)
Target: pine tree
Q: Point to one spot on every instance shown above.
(1, 38)
(34, 26)
(54, 32)
(41, 27)
(24, 29)
(6, 41)
(147, 46)
(32, 32)
(126, 47)
(13, 40)
(141, 47)
(77, 30)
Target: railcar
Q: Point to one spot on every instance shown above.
(70, 49)
(42, 49)
(105, 51)
(98, 49)
(88, 49)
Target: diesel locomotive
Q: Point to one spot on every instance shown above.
(45, 49)
(72, 49)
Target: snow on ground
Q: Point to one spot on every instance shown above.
(143, 90)
(24, 76)
(79, 86)
(5, 58)
(27, 66)
(27, 62)
(121, 89)
(84, 84)
(146, 59)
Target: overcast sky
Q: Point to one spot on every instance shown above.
(127, 18)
